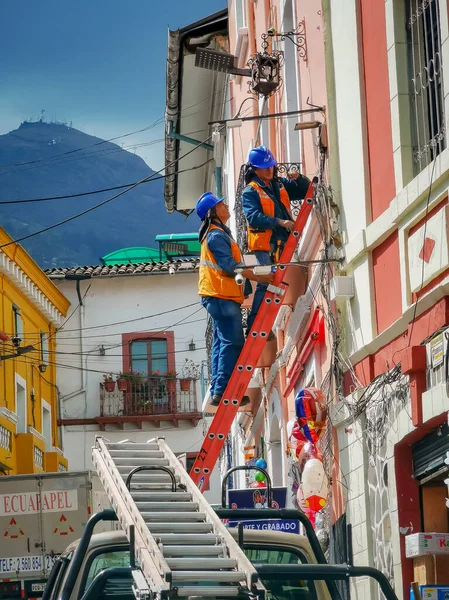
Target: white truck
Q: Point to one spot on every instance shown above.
(40, 514)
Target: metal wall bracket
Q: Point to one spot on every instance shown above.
(296, 36)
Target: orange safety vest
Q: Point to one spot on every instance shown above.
(215, 282)
(259, 239)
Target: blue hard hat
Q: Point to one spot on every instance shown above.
(261, 158)
(205, 203)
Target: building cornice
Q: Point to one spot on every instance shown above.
(30, 289)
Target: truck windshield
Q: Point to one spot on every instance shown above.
(280, 590)
(294, 589)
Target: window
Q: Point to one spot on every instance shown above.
(279, 590)
(44, 348)
(293, 589)
(107, 560)
(114, 587)
(21, 408)
(425, 81)
(240, 14)
(149, 355)
(18, 324)
(46, 425)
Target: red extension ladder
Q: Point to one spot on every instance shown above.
(250, 354)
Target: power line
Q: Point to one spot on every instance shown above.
(108, 152)
(123, 322)
(110, 189)
(158, 121)
(76, 368)
(92, 208)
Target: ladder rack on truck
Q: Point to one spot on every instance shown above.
(181, 546)
(251, 352)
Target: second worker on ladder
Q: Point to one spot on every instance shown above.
(266, 204)
(220, 294)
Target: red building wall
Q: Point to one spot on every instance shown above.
(378, 114)
(387, 282)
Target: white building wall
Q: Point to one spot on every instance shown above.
(350, 118)
(138, 300)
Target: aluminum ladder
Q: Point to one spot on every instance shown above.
(181, 547)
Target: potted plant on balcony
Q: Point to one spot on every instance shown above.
(191, 371)
(108, 382)
(124, 381)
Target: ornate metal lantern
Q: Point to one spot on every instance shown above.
(265, 72)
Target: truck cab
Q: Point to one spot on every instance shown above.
(110, 550)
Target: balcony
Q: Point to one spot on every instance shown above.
(151, 399)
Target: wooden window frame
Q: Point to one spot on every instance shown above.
(128, 338)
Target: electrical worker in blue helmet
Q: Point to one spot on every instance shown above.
(266, 204)
(220, 294)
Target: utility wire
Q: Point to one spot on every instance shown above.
(110, 189)
(92, 208)
(107, 152)
(158, 121)
(121, 322)
(29, 358)
(99, 335)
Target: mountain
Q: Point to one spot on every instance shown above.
(54, 167)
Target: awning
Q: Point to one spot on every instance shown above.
(194, 96)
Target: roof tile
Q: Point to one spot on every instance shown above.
(183, 265)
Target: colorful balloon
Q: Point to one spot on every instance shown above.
(290, 426)
(259, 476)
(310, 408)
(258, 484)
(314, 485)
(260, 462)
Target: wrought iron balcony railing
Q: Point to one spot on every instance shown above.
(150, 396)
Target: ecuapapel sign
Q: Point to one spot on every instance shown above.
(34, 502)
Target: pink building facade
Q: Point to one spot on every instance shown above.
(368, 325)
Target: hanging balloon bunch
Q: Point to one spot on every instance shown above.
(259, 478)
(303, 433)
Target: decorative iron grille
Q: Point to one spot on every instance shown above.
(150, 396)
(38, 457)
(426, 81)
(283, 170)
(5, 438)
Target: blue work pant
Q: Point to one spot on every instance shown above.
(263, 258)
(227, 341)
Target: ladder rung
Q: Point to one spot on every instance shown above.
(218, 576)
(161, 496)
(142, 486)
(167, 507)
(201, 564)
(172, 551)
(209, 591)
(140, 461)
(180, 528)
(186, 539)
(144, 477)
(178, 517)
(131, 445)
(130, 453)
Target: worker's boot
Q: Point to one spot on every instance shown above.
(216, 398)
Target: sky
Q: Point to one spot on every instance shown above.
(99, 64)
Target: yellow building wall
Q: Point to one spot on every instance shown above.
(39, 386)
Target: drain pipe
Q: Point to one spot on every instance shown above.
(217, 141)
(78, 279)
